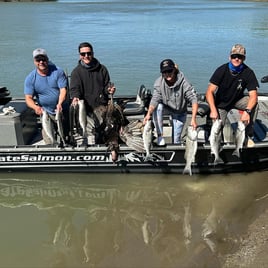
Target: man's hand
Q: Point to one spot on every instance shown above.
(146, 118)
(111, 88)
(194, 123)
(213, 114)
(38, 110)
(59, 107)
(245, 118)
(75, 101)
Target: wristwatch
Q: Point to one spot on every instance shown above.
(248, 111)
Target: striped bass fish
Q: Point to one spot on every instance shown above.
(73, 123)
(78, 117)
(59, 120)
(147, 139)
(48, 127)
(78, 121)
(82, 116)
(190, 149)
(215, 140)
(240, 138)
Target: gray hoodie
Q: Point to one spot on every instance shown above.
(177, 96)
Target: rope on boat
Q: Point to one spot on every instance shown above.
(8, 110)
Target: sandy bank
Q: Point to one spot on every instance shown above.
(254, 245)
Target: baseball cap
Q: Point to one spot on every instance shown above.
(39, 51)
(167, 65)
(238, 49)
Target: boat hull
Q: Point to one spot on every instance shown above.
(169, 159)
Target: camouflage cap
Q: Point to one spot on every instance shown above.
(238, 49)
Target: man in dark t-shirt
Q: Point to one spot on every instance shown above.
(226, 90)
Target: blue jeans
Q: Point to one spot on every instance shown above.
(178, 121)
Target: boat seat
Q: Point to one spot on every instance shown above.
(203, 109)
(264, 79)
(19, 126)
(4, 95)
(138, 106)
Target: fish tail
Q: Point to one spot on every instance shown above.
(236, 153)
(218, 160)
(187, 170)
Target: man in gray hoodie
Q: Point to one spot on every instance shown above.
(173, 92)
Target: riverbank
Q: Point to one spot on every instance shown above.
(254, 244)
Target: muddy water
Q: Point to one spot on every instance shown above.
(150, 221)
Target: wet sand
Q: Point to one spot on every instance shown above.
(253, 250)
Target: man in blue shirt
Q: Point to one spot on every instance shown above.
(45, 90)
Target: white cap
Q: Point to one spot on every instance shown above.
(39, 51)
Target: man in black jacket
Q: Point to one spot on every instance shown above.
(90, 81)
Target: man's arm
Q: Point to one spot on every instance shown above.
(253, 99)
(194, 113)
(32, 104)
(62, 97)
(210, 99)
(149, 114)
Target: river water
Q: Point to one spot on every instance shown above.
(128, 220)
(132, 37)
(69, 220)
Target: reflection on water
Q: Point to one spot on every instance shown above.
(125, 220)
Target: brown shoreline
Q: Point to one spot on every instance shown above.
(253, 249)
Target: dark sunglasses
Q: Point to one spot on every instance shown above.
(86, 53)
(168, 71)
(40, 58)
(238, 56)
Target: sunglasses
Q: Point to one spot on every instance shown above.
(83, 54)
(237, 56)
(40, 58)
(168, 72)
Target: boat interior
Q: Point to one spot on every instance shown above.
(20, 126)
